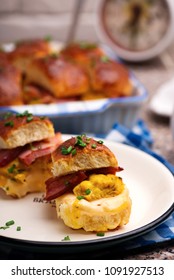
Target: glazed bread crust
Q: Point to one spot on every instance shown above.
(61, 77)
(25, 51)
(94, 155)
(10, 83)
(20, 130)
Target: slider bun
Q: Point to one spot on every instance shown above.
(10, 83)
(18, 131)
(86, 158)
(61, 77)
(98, 215)
(83, 53)
(110, 78)
(25, 51)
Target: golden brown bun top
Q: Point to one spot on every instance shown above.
(35, 48)
(10, 83)
(81, 153)
(110, 77)
(82, 52)
(20, 129)
(67, 76)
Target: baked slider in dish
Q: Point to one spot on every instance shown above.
(107, 77)
(26, 144)
(58, 75)
(27, 50)
(83, 53)
(86, 190)
(10, 83)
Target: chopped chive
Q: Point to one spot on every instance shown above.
(80, 197)
(11, 168)
(10, 123)
(73, 152)
(94, 146)
(66, 151)
(87, 191)
(66, 238)
(104, 58)
(54, 55)
(5, 227)
(7, 115)
(100, 234)
(24, 114)
(18, 228)
(100, 141)
(48, 38)
(86, 45)
(29, 118)
(9, 223)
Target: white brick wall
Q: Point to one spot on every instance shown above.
(20, 19)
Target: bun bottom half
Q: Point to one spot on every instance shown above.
(99, 215)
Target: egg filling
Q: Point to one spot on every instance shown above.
(100, 203)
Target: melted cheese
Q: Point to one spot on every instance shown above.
(105, 207)
(17, 179)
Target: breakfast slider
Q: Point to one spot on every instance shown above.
(26, 144)
(86, 190)
(10, 83)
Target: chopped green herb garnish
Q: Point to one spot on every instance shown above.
(80, 142)
(7, 115)
(80, 197)
(54, 55)
(10, 123)
(88, 140)
(24, 114)
(42, 117)
(86, 45)
(100, 234)
(104, 59)
(9, 223)
(100, 141)
(94, 146)
(66, 238)
(5, 227)
(73, 152)
(18, 228)
(29, 118)
(11, 168)
(87, 191)
(66, 151)
(48, 38)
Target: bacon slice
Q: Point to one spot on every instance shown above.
(57, 186)
(40, 149)
(8, 155)
(104, 170)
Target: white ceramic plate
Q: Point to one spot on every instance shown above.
(162, 102)
(151, 188)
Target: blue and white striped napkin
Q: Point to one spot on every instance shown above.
(140, 137)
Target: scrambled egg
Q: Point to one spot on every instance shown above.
(17, 179)
(100, 203)
(99, 186)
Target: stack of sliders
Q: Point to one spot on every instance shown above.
(26, 144)
(86, 189)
